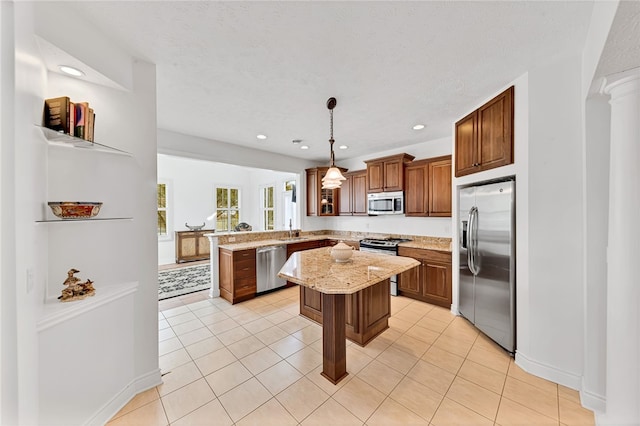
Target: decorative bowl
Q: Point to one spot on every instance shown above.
(243, 227)
(194, 227)
(75, 209)
(341, 252)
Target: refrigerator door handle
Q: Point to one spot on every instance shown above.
(470, 244)
(474, 241)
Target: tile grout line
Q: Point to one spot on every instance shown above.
(402, 332)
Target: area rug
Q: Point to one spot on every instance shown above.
(176, 282)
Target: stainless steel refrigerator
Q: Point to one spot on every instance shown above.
(487, 260)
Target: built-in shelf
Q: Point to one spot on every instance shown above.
(55, 312)
(83, 220)
(55, 138)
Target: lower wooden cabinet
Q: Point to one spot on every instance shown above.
(192, 245)
(367, 311)
(237, 271)
(431, 280)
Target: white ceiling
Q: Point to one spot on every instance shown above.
(227, 71)
(622, 50)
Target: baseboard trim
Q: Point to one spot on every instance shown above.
(454, 310)
(136, 386)
(548, 372)
(593, 401)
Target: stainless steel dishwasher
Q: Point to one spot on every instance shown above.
(269, 261)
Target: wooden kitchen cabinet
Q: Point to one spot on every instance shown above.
(387, 173)
(367, 312)
(484, 138)
(431, 280)
(237, 271)
(439, 200)
(192, 245)
(353, 194)
(416, 196)
(428, 187)
(321, 202)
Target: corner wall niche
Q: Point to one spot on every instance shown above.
(114, 332)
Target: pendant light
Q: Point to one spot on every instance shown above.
(333, 179)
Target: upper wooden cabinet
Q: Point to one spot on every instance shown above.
(439, 170)
(353, 194)
(321, 202)
(484, 138)
(428, 187)
(387, 173)
(416, 195)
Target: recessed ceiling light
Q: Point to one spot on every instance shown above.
(418, 127)
(261, 137)
(304, 147)
(71, 70)
(343, 147)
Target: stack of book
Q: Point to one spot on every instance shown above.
(72, 118)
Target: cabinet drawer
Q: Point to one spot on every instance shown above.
(245, 268)
(244, 286)
(239, 256)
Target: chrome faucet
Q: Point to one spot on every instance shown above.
(290, 229)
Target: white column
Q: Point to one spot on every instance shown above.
(214, 291)
(623, 256)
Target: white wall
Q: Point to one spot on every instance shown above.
(176, 144)
(549, 218)
(191, 184)
(598, 121)
(597, 117)
(120, 359)
(431, 226)
(8, 309)
(553, 346)
(261, 178)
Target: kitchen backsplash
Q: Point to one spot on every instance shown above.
(244, 237)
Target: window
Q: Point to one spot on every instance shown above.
(227, 208)
(268, 213)
(163, 230)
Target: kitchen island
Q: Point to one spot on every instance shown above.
(316, 270)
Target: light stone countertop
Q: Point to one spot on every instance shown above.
(316, 269)
(278, 242)
(428, 245)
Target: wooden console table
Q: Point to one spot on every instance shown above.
(315, 269)
(192, 245)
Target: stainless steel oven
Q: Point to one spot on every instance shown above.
(386, 246)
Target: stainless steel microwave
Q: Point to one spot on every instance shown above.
(385, 203)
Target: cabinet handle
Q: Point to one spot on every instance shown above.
(245, 269)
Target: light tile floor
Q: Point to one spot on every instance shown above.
(259, 363)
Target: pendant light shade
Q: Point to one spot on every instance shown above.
(333, 179)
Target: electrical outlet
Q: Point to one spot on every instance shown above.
(232, 239)
(30, 280)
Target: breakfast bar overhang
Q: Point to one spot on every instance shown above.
(317, 270)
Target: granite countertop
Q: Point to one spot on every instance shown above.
(278, 242)
(428, 245)
(316, 269)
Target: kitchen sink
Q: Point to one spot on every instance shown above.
(293, 239)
